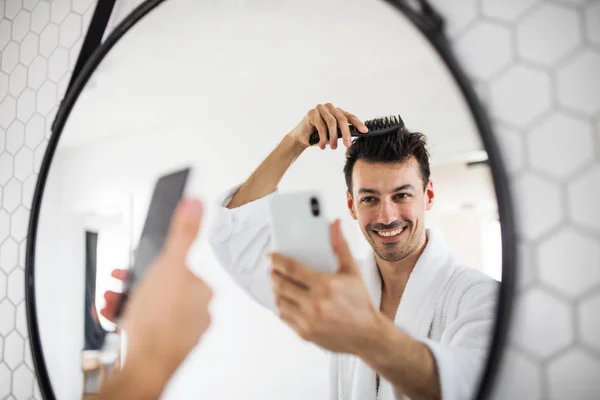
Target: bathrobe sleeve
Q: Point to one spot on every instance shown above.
(461, 353)
(240, 240)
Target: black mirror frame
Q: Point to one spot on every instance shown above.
(431, 25)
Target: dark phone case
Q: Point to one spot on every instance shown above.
(168, 191)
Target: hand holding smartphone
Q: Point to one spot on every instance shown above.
(301, 229)
(168, 191)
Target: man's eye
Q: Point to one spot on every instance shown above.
(367, 199)
(403, 196)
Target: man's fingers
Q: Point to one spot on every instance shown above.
(314, 118)
(343, 124)
(112, 299)
(185, 225)
(287, 288)
(341, 248)
(331, 124)
(120, 274)
(293, 270)
(354, 120)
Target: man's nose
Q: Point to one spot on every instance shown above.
(387, 212)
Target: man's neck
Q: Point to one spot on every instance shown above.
(395, 274)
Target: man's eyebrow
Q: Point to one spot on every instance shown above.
(407, 186)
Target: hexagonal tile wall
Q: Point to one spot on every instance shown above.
(542, 89)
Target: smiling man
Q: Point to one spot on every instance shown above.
(407, 322)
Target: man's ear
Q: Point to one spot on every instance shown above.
(429, 195)
(351, 205)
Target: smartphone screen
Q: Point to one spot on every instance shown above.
(168, 191)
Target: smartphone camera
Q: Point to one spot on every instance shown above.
(314, 205)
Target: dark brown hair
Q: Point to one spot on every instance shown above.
(393, 148)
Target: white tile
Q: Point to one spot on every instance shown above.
(29, 5)
(493, 46)
(8, 111)
(23, 383)
(26, 105)
(28, 190)
(592, 22)
(458, 14)
(12, 195)
(2, 140)
(565, 153)
(13, 351)
(18, 223)
(81, 6)
(34, 131)
(23, 163)
(10, 57)
(578, 83)
(58, 64)
(28, 358)
(16, 285)
(537, 313)
(9, 255)
(3, 281)
(520, 95)
(568, 261)
(539, 208)
(5, 378)
(21, 320)
(48, 40)
(46, 98)
(12, 8)
(6, 167)
(1, 338)
(506, 10)
(21, 25)
(4, 84)
(18, 80)
(61, 87)
(511, 145)
(583, 198)
(29, 48)
(589, 323)
(524, 377)
(74, 51)
(38, 155)
(15, 137)
(22, 250)
(7, 317)
(38, 73)
(5, 32)
(574, 375)
(70, 30)
(40, 16)
(4, 225)
(59, 11)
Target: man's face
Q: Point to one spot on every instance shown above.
(389, 203)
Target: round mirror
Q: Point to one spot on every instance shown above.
(232, 92)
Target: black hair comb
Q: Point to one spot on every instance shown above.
(377, 126)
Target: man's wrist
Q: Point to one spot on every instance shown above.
(295, 146)
(146, 375)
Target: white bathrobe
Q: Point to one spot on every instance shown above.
(450, 308)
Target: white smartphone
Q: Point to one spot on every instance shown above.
(300, 229)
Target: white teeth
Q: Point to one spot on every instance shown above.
(392, 233)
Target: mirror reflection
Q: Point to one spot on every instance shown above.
(396, 300)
